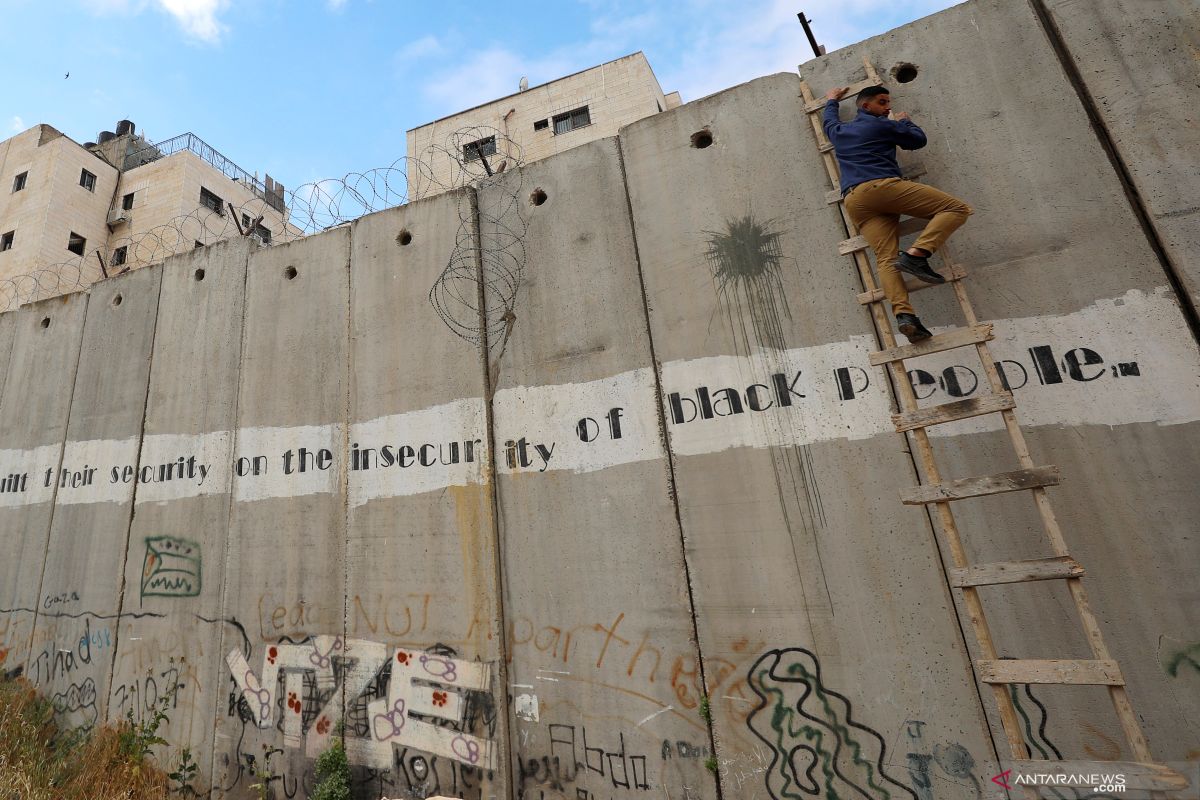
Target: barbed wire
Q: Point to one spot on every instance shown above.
(475, 156)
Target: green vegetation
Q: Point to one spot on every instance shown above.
(333, 774)
(39, 761)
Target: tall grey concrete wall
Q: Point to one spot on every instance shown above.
(1137, 68)
(1084, 311)
(578, 482)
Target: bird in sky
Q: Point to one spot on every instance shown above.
(66, 76)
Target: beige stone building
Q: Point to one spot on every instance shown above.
(71, 214)
(540, 121)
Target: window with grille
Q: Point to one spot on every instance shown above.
(484, 147)
(76, 243)
(119, 256)
(87, 180)
(263, 233)
(541, 125)
(571, 120)
(211, 201)
(19, 181)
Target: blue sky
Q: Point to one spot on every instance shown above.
(316, 89)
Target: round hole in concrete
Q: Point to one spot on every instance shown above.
(702, 139)
(45, 322)
(538, 197)
(198, 274)
(290, 273)
(904, 73)
(117, 300)
(404, 238)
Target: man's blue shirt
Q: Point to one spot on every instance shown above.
(866, 146)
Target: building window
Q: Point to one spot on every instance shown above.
(19, 181)
(6, 241)
(198, 245)
(119, 256)
(484, 147)
(76, 243)
(87, 180)
(127, 201)
(263, 233)
(571, 120)
(541, 125)
(211, 201)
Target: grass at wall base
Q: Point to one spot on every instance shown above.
(40, 761)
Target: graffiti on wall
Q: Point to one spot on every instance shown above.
(429, 684)
(171, 567)
(817, 748)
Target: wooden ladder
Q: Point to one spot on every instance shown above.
(1141, 774)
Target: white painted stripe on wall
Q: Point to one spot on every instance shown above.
(89, 466)
(207, 467)
(434, 429)
(272, 444)
(550, 415)
(817, 417)
(32, 465)
(1134, 364)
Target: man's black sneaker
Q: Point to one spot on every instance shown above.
(917, 266)
(911, 327)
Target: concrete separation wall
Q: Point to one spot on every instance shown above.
(577, 483)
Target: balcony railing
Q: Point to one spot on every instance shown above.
(194, 144)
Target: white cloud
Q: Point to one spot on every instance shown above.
(335, 5)
(18, 124)
(427, 45)
(492, 73)
(197, 17)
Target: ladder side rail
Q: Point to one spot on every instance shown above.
(1118, 695)
(908, 402)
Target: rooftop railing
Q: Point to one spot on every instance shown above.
(209, 154)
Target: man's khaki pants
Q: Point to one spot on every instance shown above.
(875, 208)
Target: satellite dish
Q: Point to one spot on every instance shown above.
(524, 83)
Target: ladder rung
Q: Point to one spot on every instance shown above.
(956, 273)
(852, 245)
(949, 412)
(1138, 777)
(959, 337)
(855, 88)
(1038, 569)
(999, 483)
(1073, 672)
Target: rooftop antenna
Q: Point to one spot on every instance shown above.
(818, 49)
(524, 84)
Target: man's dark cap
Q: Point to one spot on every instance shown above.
(869, 92)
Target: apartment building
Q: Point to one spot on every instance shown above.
(541, 120)
(120, 203)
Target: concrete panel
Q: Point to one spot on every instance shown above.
(421, 547)
(168, 638)
(285, 560)
(810, 580)
(83, 582)
(596, 598)
(1091, 339)
(44, 353)
(1138, 63)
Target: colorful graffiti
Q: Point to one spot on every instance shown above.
(429, 684)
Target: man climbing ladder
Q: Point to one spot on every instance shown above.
(876, 196)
